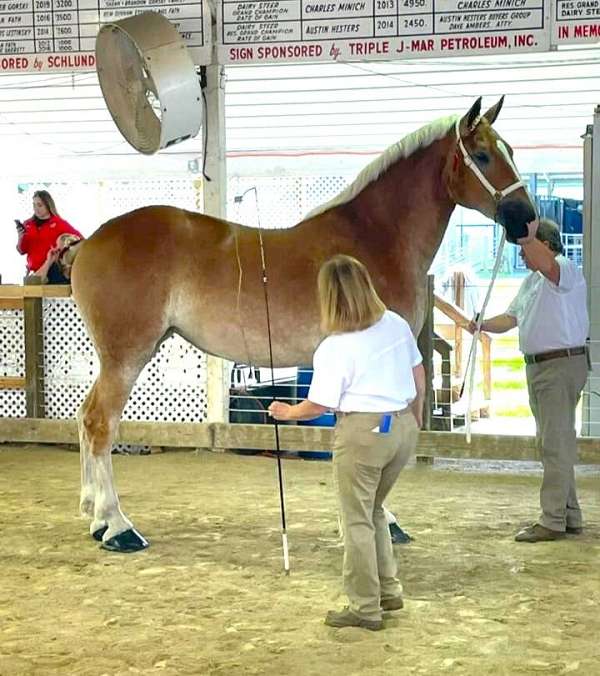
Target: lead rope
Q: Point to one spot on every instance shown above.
(473, 353)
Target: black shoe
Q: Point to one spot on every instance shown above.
(538, 533)
(346, 618)
(399, 536)
(393, 603)
(574, 530)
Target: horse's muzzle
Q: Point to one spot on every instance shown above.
(514, 215)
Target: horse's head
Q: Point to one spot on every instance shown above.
(481, 173)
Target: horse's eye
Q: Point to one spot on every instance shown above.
(481, 157)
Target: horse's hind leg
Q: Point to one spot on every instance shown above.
(88, 493)
(99, 420)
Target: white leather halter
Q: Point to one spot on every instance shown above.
(498, 195)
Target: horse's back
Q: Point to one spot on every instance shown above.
(128, 274)
(147, 236)
(157, 221)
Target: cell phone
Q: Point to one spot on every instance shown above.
(19, 225)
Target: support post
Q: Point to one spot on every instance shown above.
(215, 194)
(458, 283)
(425, 343)
(591, 270)
(486, 360)
(34, 352)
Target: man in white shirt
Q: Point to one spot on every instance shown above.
(550, 310)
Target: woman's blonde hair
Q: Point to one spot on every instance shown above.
(347, 299)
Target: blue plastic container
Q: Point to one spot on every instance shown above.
(326, 420)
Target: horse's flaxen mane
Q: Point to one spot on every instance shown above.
(420, 138)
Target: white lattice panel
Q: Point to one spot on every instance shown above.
(86, 205)
(12, 355)
(171, 388)
(280, 201)
(13, 404)
(123, 196)
(12, 362)
(70, 363)
(318, 190)
(276, 201)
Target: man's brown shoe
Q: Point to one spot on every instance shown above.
(346, 618)
(538, 533)
(393, 603)
(574, 530)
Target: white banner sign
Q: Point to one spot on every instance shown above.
(261, 31)
(575, 21)
(60, 35)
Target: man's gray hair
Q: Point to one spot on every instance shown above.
(548, 231)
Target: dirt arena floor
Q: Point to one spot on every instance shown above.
(209, 596)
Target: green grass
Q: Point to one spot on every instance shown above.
(514, 412)
(509, 385)
(513, 363)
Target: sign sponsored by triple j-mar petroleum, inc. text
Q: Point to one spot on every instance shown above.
(60, 35)
(261, 31)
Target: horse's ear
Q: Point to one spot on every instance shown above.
(470, 120)
(494, 111)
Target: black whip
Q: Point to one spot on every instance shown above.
(265, 282)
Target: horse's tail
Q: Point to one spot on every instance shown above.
(67, 257)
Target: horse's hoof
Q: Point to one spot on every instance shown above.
(399, 536)
(97, 534)
(126, 542)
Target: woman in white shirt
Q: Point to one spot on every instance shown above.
(368, 370)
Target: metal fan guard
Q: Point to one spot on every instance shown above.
(148, 81)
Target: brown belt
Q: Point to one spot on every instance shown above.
(554, 354)
(404, 411)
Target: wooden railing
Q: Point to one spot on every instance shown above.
(461, 323)
(29, 299)
(443, 397)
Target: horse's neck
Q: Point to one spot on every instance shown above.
(411, 202)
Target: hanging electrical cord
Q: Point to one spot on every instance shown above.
(203, 85)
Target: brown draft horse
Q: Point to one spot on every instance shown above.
(160, 269)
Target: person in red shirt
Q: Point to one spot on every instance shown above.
(38, 238)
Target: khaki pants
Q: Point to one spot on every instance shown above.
(366, 465)
(554, 389)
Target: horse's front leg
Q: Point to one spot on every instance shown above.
(100, 421)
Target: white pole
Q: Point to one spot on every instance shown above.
(591, 270)
(214, 196)
(472, 362)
